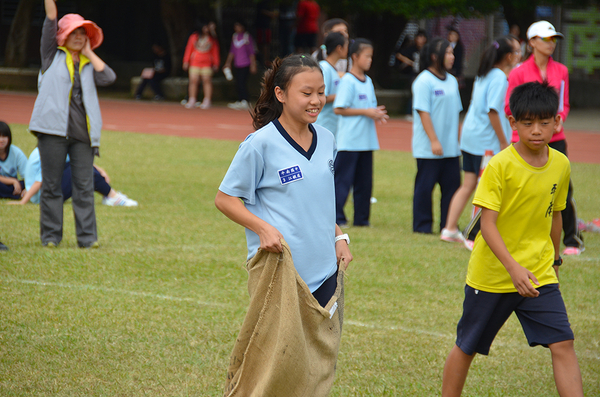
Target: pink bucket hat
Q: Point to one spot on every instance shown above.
(70, 22)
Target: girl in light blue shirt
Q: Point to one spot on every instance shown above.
(485, 127)
(337, 48)
(280, 169)
(356, 136)
(436, 109)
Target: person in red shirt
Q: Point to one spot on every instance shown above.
(201, 60)
(307, 28)
(541, 67)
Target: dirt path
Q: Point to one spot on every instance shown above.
(223, 123)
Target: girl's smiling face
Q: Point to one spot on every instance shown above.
(304, 97)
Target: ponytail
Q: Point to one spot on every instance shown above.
(268, 107)
(494, 54)
(357, 46)
(333, 41)
(320, 51)
(436, 47)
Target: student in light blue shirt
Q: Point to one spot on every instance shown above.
(33, 184)
(436, 109)
(280, 186)
(485, 127)
(283, 174)
(337, 48)
(12, 165)
(356, 136)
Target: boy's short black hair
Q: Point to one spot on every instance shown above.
(534, 101)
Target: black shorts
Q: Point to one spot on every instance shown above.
(471, 162)
(544, 319)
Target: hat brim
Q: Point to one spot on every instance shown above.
(92, 31)
(556, 34)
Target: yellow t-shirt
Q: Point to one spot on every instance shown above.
(525, 198)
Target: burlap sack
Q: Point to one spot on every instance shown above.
(288, 344)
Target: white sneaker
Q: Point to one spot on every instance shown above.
(234, 105)
(119, 200)
(452, 237)
(190, 103)
(204, 105)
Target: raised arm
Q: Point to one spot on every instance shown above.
(51, 11)
(95, 60)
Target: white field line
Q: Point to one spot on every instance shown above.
(398, 328)
(85, 287)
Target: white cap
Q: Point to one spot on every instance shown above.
(542, 29)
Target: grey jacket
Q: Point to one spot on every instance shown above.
(51, 110)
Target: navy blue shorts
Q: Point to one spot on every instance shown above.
(324, 293)
(471, 162)
(544, 319)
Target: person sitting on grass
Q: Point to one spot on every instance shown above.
(12, 164)
(515, 259)
(33, 184)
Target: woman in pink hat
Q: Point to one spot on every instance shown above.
(66, 120)
(541, 67)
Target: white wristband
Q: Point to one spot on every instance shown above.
(343, 237)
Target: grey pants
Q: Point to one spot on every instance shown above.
(53, 153)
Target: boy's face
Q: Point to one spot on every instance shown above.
(536, 133)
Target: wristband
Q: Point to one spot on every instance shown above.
(343, 237)
(558, 261)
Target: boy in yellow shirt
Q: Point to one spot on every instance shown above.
(515, 260)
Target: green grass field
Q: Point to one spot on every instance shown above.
(156, 309)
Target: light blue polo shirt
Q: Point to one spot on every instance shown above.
(292, 190)
(356, 133)
(14, 164)
(441, 99)
(327, 118)
(33, 173)
(489, 93)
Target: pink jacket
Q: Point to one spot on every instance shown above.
(202, 54)
(557, 76)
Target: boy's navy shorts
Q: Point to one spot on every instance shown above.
(544, 319)
(471, 162)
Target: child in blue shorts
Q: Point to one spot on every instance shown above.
(515, 260)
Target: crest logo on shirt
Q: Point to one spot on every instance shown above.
(439, 92)
(331, 168)
(289, 175)
(336, 82)
(362, 97)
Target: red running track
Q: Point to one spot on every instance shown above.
(167, 118)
